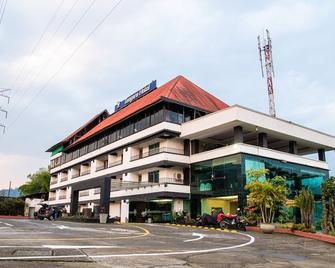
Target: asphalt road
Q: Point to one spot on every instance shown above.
(27, 243)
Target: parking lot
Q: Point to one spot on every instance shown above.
(27, 243)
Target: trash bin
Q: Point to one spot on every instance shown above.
(103, 217)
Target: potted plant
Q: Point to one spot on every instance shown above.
(267, 194)
(103, 217)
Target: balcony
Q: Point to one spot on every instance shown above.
(97, 191)
(52, 198)
(83, 173)
(75, 175)
(53, 182)
(115, 163)
(158, 151)
(86, 193)
(63, 179)
(127, 185)
(62, 196)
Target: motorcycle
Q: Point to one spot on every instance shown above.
(233, 221)
(224, 221)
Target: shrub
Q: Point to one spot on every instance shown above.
(305, 201)
(301, 227)
(12, 207)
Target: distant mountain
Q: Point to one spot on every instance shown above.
(13, 192)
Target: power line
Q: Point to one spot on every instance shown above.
(74, 52)
(46, 63)
(4, 3)
(37, 43)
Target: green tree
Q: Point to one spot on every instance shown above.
(269, 194)
(328, 205)
(38, 183)
(305, 201)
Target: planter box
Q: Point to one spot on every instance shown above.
(316, 236)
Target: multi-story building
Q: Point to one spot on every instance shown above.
(177, 147)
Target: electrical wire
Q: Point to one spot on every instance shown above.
(37, 44)
(74, 52)
(46, 63)
(4, 3)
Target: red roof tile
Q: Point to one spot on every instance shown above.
(178, 89)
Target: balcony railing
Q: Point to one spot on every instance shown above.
(115, 163)
(62, 197)
(97, 191)
(117, 185)
(63, 179)
(53, 182)
(75, 175)
(85, 172)
(158, 151)
(52, 198)
(86, 193)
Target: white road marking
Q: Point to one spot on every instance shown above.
(63, 227)
(200, 236)
(75, 246)
(8, 224)
(252, 240)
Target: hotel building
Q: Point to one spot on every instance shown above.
(177, 147)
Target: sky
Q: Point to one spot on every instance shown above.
(59, 80)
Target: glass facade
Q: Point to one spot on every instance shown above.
(227, 176)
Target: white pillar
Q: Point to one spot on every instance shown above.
(124, 211)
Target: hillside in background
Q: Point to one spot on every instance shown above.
(13, 192)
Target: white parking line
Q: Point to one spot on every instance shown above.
(252, 240)
(200, 236)
(76, 246)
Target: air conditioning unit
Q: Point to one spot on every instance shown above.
(178, 176)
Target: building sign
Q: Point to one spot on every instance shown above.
(139, 94)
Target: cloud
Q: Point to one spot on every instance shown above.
(15, 168)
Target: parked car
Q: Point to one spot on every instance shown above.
(48, 212)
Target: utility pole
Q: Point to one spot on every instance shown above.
(266, 49)
(4, 93)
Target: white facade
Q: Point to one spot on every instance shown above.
(130, 162)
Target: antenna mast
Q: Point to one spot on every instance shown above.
(266, 51)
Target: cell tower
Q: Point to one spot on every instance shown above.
(3, 94)
(266, 49)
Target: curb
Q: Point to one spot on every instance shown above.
(14, 217)
(203, 227)
(315, 236)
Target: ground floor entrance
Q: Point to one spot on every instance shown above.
(228, 204)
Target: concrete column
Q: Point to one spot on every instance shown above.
(74, 202)
(105, 194)
(178, 205)
(238, 134)
(263, 140)
(293, 149)
(124, 211)
(194, 146)
(187, 147)
(322, 154)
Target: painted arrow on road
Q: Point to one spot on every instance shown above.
(200, 236)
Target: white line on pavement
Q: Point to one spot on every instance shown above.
(8, 224)
(75, 246)
(200, 236)
(252, 240)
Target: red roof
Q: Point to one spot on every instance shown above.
(178, 89)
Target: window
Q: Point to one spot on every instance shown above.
(139, 177)
(153, 176)
(154, 148)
